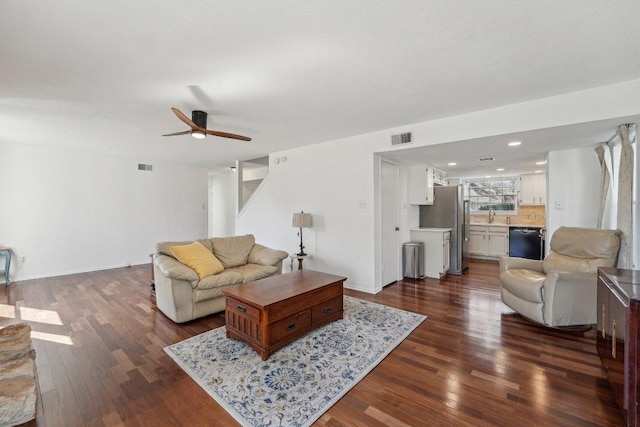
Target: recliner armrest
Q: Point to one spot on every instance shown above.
(570, 298)
(507, 263)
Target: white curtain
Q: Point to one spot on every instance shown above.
(624, 221)
(616, 209)
(604, 157)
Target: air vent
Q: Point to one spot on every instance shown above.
(486, 159)
(143, 167)
(401, 138)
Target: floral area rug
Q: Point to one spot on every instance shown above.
(299, 382)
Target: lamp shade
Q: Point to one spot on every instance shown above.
(301, 220)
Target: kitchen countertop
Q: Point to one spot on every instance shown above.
(485, 224)
(431, 229)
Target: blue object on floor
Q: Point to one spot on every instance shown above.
(6, 252)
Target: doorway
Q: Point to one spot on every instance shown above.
(389, 221)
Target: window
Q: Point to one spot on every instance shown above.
(498, 194)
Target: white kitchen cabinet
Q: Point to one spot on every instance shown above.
(498, 241)
(488, 241)
(422, 179)
(446, 253)
(437, 249)
(533, 189)
(477, 240)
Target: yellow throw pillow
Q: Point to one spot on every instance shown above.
(196, 256)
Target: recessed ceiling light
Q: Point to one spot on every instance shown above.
(487, 176)
(544, 162)
(499, 169)
(537, 171)
(452, 163)
(514, 143)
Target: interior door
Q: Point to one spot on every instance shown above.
(389, 222)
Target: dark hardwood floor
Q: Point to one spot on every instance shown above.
(473, 362)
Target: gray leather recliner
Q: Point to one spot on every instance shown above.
(561, 290)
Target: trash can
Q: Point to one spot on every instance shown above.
(413, 260)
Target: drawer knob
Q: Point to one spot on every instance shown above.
(328, 310)
(291, 327)
(242, 309)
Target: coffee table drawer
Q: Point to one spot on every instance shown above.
(245, 309)
(325, 310)
(292, 325)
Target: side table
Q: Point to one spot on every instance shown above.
(153, 279)
(6, 252)
(300, 258)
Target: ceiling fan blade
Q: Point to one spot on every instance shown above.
(184, 118)
(225, 134)
(186, 132)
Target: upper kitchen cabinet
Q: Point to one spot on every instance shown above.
(533, 189)
(422, 179)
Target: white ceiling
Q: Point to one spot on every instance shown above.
(101, 76)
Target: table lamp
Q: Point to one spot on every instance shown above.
(301, 220)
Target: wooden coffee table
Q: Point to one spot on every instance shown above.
(270, 313)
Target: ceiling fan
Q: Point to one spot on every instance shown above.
(198, 125)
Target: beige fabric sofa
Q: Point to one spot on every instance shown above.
(561, 290)
(182, 295)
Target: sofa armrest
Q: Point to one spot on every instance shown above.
(570, 298)
(174, 269)
(507, 263)
(266, 256)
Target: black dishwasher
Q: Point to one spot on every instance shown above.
(526, 242)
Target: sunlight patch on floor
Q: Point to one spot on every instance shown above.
(57, 338)
(41, 316)
(37, 315)
(8, 311)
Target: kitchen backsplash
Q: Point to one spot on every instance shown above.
(527, 215)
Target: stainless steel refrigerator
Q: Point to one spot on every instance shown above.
(450, 210)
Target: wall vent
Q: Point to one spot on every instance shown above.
(143, 167)
(401, 138)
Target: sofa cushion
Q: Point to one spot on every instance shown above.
(233, 251)
(251, 272)
(199, 258)
(206, 294)
(165, 247)
(225, 278)
(524, 284)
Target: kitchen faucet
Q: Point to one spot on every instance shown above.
(491, 211)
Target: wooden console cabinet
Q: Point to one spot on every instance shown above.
(618, 336)
(270, 313)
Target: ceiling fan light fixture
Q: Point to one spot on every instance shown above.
(199, 127)
(198, 134)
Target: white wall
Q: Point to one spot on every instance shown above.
(67, 211)
(336, 180)
(333, 182)
(222, 203)
(573, 190)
